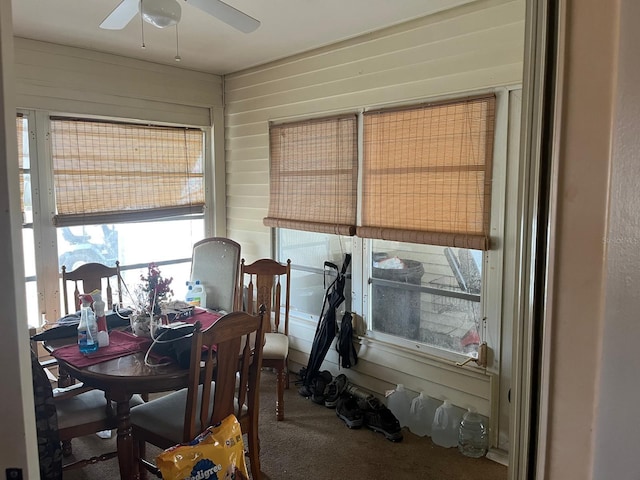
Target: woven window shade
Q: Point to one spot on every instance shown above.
(117, 172)
(313, 179)
(427, 174)
(23, 157)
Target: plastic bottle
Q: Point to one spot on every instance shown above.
(444, 428)
(419, 419)
(400, 404)
(196, 294)
(101, 320)
(87, 328)
(432, 405)
(473, 438)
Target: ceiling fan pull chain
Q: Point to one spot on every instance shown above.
(177, 57)
(142, 27)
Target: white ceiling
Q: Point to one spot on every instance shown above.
(207, 44)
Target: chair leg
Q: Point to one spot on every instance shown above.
(67, 450)
(280, 386)
(286, 376)
(139, 452)
(254, 454)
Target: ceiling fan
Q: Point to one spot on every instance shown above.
(165, 13)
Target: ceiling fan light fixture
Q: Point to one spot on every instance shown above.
(160, 13)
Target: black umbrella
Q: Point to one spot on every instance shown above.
(327, 325)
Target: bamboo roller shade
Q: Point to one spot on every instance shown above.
(313, 175)
(427, 173)
(103, 168)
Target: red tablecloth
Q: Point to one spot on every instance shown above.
(123, 343)
(120, 344)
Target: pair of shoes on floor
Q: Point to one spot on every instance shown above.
(334, 390)
(370, 412)
(316, 387)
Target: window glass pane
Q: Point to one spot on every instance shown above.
(135, 245)
(178, 272)
(428, 294)
(130, 243)
(308, 251)
(28, 251)
(33, 313)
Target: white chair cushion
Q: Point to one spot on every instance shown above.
(87, 407)
(276, 346)
(165, 415)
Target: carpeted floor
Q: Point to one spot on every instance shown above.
(313, 443)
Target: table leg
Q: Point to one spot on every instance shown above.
(126, 460)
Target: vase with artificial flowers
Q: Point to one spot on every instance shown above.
(149, 294)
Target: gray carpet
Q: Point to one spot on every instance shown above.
(313, 443)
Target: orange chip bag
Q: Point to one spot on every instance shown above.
(215, 454)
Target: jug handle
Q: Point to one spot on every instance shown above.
(438, 415)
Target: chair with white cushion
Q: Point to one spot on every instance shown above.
(265, 279)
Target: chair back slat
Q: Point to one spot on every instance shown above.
(276, 310)
(250, 302)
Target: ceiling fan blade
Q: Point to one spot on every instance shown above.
(121, 15)
(232, 16)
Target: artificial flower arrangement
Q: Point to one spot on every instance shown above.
(153, 290)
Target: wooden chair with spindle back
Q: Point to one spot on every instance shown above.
(265, 278)
(91, 276)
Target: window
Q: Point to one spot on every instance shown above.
(26, 206)
(121, 192)
(424, 210)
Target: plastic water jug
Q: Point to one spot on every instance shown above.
(418, 416)
(423, 409)
(196, 295)
(432, 405)
(400, 404)
(444, 428)
(473, 438)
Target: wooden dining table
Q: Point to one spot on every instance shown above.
(122, 377)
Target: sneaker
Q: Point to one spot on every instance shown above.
(315, 387)
(319, 385)
(334, 390)
(379, 418)
(305, 391)
(348, 411)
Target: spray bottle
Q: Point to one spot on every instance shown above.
(87, 328)
(101, 320)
